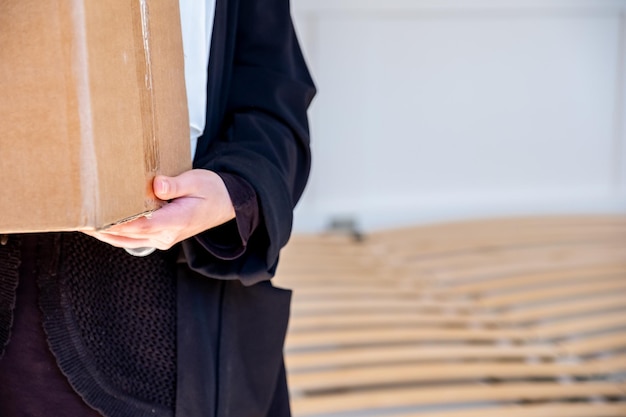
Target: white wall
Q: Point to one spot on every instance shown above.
(447, 109)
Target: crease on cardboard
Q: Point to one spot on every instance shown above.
(148, 102)
(147, 214)
(88, 160)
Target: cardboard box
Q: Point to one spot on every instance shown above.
(92, 107)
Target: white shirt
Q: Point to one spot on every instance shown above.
(196, 17)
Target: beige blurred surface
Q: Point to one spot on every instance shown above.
(503, 317)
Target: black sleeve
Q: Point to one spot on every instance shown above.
(229, 240)
(265, 139)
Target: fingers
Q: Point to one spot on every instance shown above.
(119, 241)
(161, 241)
(162, 230)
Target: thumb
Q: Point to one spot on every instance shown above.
(166, 188)
(197, 182)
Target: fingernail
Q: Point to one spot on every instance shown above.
(164, 187)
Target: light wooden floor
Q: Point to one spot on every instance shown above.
(500, 318)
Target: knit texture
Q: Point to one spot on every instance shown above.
(110, 319)
(9, 273)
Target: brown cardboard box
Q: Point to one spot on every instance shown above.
(92, 107)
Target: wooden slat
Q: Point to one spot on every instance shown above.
(589, 304)
(462, 246)
(372, 319)
(350, 292)
(592, 345)
(372, 376)
(445, 271)
(489, 229)
(573, 289)
(322, 339)
(481, 234)
(450, 394)
(533, 410)
(350, 357)
(379, 304)
(501, 284)
(615, 321)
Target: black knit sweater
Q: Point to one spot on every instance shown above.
(31, 383)
(110, 319)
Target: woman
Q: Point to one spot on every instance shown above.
(195, 329)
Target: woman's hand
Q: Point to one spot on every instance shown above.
(199, 201)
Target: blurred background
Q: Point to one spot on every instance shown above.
(475, 153)
(432, 110)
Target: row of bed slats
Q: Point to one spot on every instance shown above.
(510, 317)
